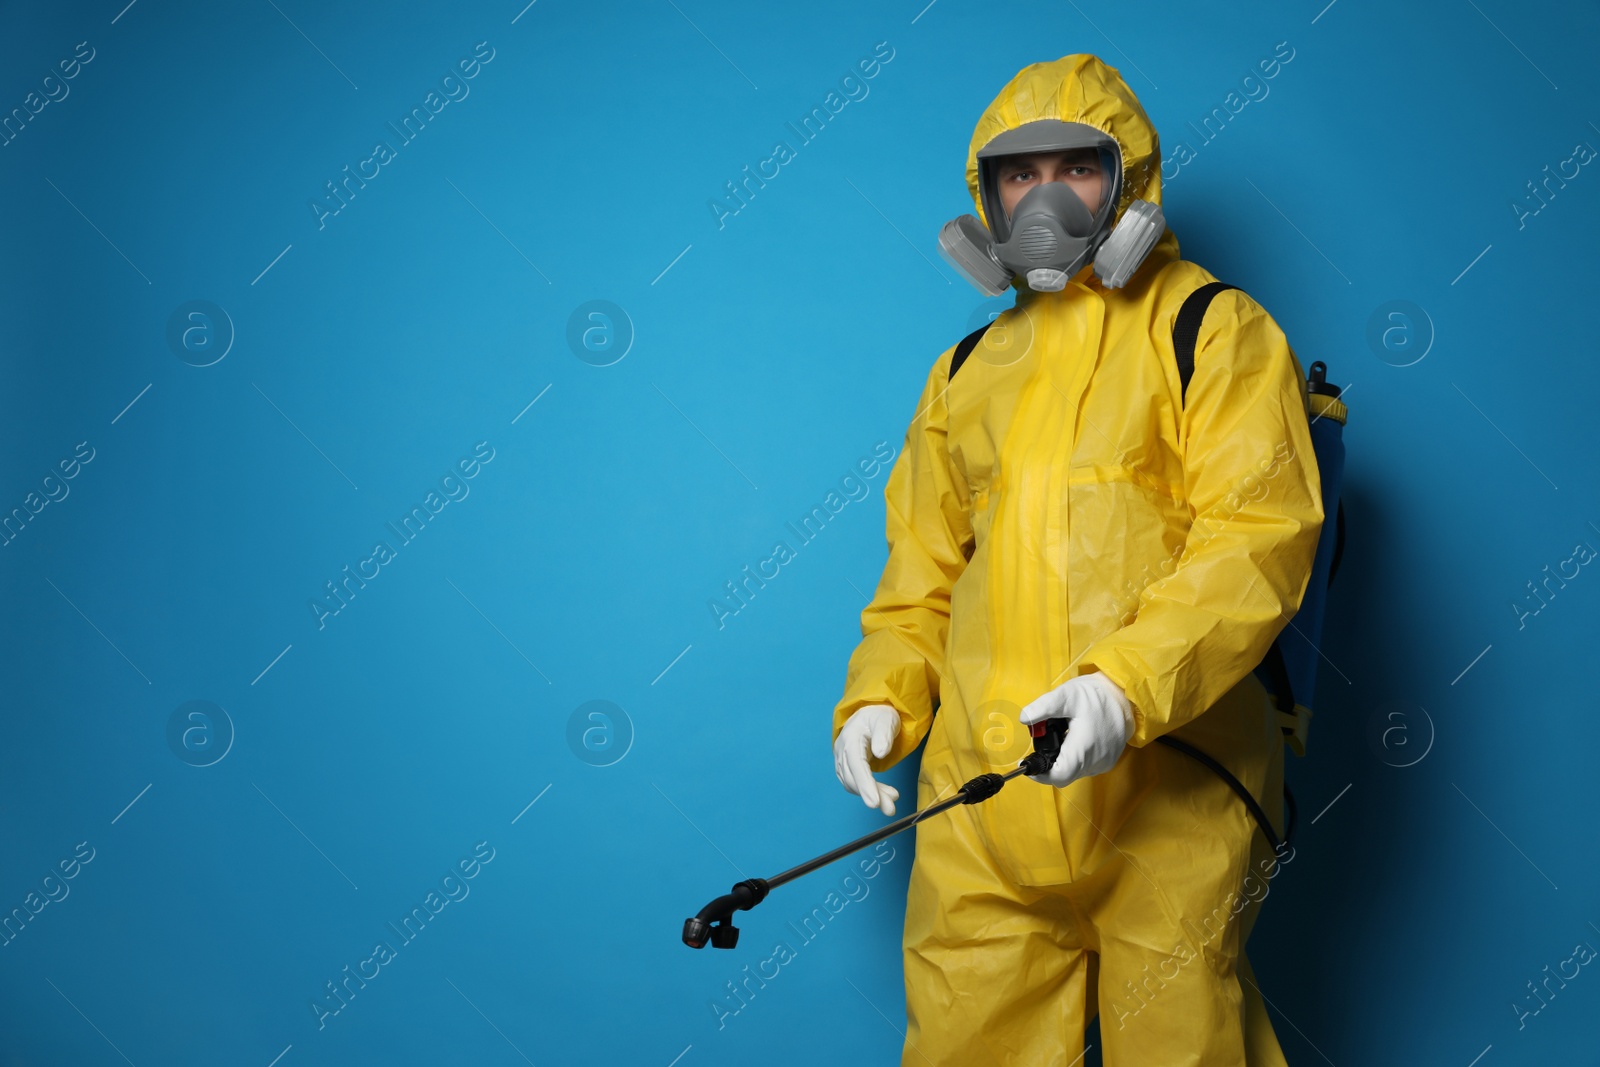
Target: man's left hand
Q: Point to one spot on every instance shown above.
(1101, 721)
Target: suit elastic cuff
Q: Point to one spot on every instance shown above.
(1120, 672)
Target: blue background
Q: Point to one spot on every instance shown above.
(371, 353)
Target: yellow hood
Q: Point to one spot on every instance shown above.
(1080, 88)
(1077, 88)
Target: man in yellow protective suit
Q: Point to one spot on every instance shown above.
(1073, 534)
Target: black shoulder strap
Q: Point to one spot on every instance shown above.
(1185, 332)
(1186, 328)
(964, 349)
(1283, 689)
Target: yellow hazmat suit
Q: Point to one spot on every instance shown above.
(1060, 508)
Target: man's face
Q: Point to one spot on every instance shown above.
(1078, 167)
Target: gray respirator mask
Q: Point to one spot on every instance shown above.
(1052, 233)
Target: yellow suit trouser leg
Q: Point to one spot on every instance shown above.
(1161, 905)
(1007, 975)
(998, 973)
(1221, 1017)
(995, 973)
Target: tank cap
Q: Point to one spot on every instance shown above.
(1317, 381)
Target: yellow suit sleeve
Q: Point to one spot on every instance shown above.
(1255, 502)
(903, 628)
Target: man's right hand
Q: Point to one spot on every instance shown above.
(876, 725)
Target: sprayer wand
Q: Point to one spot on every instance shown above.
(715, 921)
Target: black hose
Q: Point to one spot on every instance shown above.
(1237, 786)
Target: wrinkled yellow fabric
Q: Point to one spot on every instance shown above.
(1060, 508)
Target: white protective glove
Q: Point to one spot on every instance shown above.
(1101, 723)
(875, 724)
